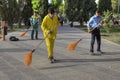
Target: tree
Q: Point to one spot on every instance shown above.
(9, 11)
(69, 9)
(36, 5)
(61, 8)
(115, 6)
(104, 5)
(57, 4)
(79, 10)
(27, 12)
(88, 9)
(13, 11)
(43, 8)
(3, 8)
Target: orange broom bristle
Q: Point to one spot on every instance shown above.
(72, 46)
(28, 59)
(22, 34)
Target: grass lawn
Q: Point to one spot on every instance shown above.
(113, 35)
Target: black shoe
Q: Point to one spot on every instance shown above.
(32, 38)
(52, 60)
(92, 53)
(99, 52)
(36, 38)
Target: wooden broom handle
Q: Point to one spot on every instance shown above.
(79, 40)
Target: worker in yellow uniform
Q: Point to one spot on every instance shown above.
(49, 27)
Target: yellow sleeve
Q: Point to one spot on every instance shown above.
(58, 23)
(44, 25)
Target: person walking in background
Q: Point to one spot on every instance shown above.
(95, 22)
(60, 19)
(49, 27)
(34, 24)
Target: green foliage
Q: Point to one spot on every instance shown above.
(107, 16)
(13, 11)
(3, 8)
(43, 8)
(9, 11)
(40, 6)
(69, 9)
(36, 5)
(27, 11)
(89, 9)
(115, 6)
(57, 4)
(79, 10)
(105, 5)
(61, 9)
(109, 25)
(107, 21)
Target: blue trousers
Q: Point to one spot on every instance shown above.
(95, 35)
(36, 34)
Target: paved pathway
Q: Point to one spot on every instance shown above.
(76, 65)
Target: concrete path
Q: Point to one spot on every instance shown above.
(75, 65)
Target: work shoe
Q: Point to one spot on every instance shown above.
(52, 60)
(32, 39)
(36, 38)
(92, 53)
(99, 52)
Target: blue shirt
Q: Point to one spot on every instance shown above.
(34, 22)
(94, 21)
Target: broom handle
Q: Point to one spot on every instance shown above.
(79, 40)
(28, 29)
(103, 19)
(41, 42)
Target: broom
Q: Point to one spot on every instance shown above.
(28, 56)
(22, 34)
(73, 45)
(98, 25)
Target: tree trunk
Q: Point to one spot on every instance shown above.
(19, 22)
(81, 22)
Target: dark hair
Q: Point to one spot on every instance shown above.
(51, 10)
(35, 12)
(98, 11)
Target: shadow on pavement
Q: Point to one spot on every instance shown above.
(56, 67)
(29, 39)
(76, 62)
(87, 60)
(14, 50)
(111, 53)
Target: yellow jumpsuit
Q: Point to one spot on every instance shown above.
(47, 25)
